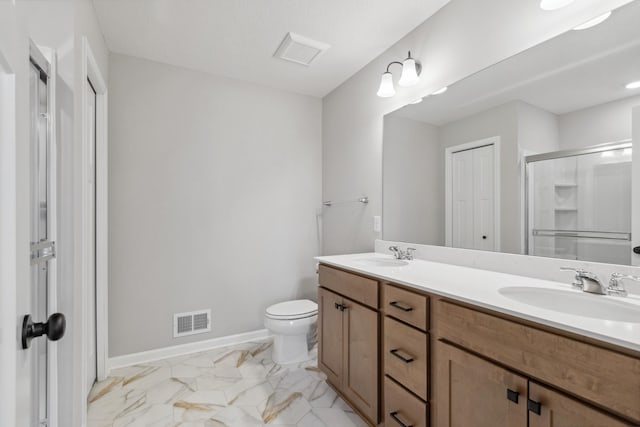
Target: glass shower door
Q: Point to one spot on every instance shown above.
(579, 205)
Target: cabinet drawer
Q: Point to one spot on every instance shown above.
(405, 356)
(410, 307)
(358, 288)
(402, 408)
(601, 376)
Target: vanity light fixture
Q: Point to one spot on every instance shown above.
(411, 69)
(554, 4)
(595, 21)
(633, 85)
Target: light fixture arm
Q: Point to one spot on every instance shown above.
(391, 63)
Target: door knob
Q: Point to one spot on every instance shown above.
(54, 328)
(636, 250)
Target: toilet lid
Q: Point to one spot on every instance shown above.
(293, 309)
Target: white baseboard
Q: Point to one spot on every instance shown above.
(180, 350)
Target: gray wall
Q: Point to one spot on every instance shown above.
(597, 125)
(214, 188)
(413, 187)
(464, 37)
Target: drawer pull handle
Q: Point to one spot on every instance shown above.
(341, 307)
(512, 395)
(395, 417)
(399, 306)
(534, 406)
(399, 356)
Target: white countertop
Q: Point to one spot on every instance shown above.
(481, 288)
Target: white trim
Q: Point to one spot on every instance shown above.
(189, 348)
(8, 226)
(91, 71)
(448, 155)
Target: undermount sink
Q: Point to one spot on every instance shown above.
(575, 303)
(381, 262)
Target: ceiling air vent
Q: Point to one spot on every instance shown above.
(194, 322)
(300, 50)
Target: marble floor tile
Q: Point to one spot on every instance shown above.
(236, 386)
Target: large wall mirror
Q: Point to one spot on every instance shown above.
(532, 155)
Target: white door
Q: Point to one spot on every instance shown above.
(91, 283)
(472, 198)
(483, 198)
(462, 199)
(39, 321)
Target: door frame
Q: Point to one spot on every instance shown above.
(448, 185)
(8, 222)
(91, 71)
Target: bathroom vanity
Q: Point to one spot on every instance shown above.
(419, 343)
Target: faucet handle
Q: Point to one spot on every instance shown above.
(409, 253)
(616, 287)
(577, 283)
(395, 250)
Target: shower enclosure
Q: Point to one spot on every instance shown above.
(578, 204)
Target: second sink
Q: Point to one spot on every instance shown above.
(575, 303)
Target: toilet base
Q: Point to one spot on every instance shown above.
(288, 349)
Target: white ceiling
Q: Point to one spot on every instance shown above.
(237, 38)
(576, 70)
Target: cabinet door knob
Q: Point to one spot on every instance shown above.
(636, 250)
(399, 306)
(512, 395)
(534, 406)
(396, 353)
(397, 419)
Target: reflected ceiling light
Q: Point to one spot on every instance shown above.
(440, 91)
(595, 21)
(411, 69)
(417, 101)
(554, 4)
(633, 85)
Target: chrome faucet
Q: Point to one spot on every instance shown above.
(586, 281)
(400, 254)
(616, 287)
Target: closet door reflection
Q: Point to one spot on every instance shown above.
(579, 205)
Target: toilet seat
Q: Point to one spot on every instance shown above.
(292, 310)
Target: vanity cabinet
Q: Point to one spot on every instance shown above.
(473, 391)
(403, 357)
(348, 331)
(477, 353)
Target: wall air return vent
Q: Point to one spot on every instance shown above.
(300, 50)
(194, 322)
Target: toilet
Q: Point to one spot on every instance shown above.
(293, 325)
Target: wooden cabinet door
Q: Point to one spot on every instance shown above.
(469, 391)
(559, 410)
(361, 373)
(331, 336)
